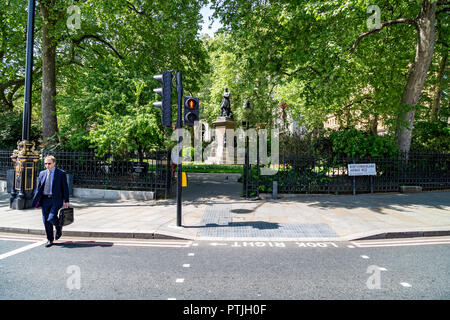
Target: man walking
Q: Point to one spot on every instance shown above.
(51, 191)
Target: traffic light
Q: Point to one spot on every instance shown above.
(166, 93)
(191, 110)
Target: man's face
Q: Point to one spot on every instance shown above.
(49, 164)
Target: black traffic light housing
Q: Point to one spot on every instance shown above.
(166, 93)
(191, 110)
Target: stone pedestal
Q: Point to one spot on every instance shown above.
(218, 151)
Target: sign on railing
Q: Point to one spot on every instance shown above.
(362, 169)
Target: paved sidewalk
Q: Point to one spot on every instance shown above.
(209, 215)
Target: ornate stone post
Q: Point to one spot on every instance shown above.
(25, 158)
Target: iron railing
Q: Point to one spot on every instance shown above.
(300, 173)
(148, 172)
(5, 162)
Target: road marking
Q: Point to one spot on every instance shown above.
(28, 247)
(171, 243)
(218, 244)
(106, 241)
(365, 257)
(186, 265)
(406, 284)
(180, 280)
(171, 298)
(316, 244)
(350, 246)
(162, 244)
(191, 254)
(394, 243)
(19, 240)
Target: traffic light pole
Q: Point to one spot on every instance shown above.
(179, 150)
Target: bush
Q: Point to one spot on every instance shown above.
(431, 136)
(356, 143)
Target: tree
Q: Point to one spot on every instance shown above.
(145, 37)
(106, 92)
(322, 47)
(425, 28)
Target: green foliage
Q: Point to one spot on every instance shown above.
(188, 153)
(110, 109)
(356, 143)
(432, 137)
(11, 129)
(105, 68)
(230, 68)
(211, 168)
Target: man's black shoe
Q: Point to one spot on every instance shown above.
(58, 235)
(49, 244)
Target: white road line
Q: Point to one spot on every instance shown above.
(171, 298)
(186, 265)
(8, 237)
(179, 280)
(406, 284)
(365, 257)
(350, 246)
(153, 242)
(404, 240)
(20, 240)
(106, 241)
(398, 244)
(399, 241)
(191, 254)
(149, 245)
(164, 244)
(28, 247)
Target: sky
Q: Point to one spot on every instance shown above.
(206, 13)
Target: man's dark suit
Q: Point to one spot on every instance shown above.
(51, 205)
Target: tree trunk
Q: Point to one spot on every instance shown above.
(438, 92)
(417, 73)
(49, 120)
(373, 125)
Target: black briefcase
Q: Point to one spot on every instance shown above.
(65, 216)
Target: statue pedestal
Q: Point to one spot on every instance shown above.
(218, 150)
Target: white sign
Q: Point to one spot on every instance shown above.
(362, 169)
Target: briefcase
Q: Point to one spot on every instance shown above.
(65, 216)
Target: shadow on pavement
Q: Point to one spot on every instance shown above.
(260, 225)
(378, 202)
(82, 244)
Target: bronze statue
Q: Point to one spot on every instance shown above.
(225, 106)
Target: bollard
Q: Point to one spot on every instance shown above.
(275, 190)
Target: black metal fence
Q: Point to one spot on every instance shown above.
(299, 173)
(150, 172)
(5, 162)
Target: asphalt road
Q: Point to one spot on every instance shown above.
(88, 269)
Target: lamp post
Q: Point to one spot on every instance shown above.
(246, 107)
(25, 156)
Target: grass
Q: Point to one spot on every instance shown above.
(211, 168)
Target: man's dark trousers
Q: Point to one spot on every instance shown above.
(50, 217)
(51, 205)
